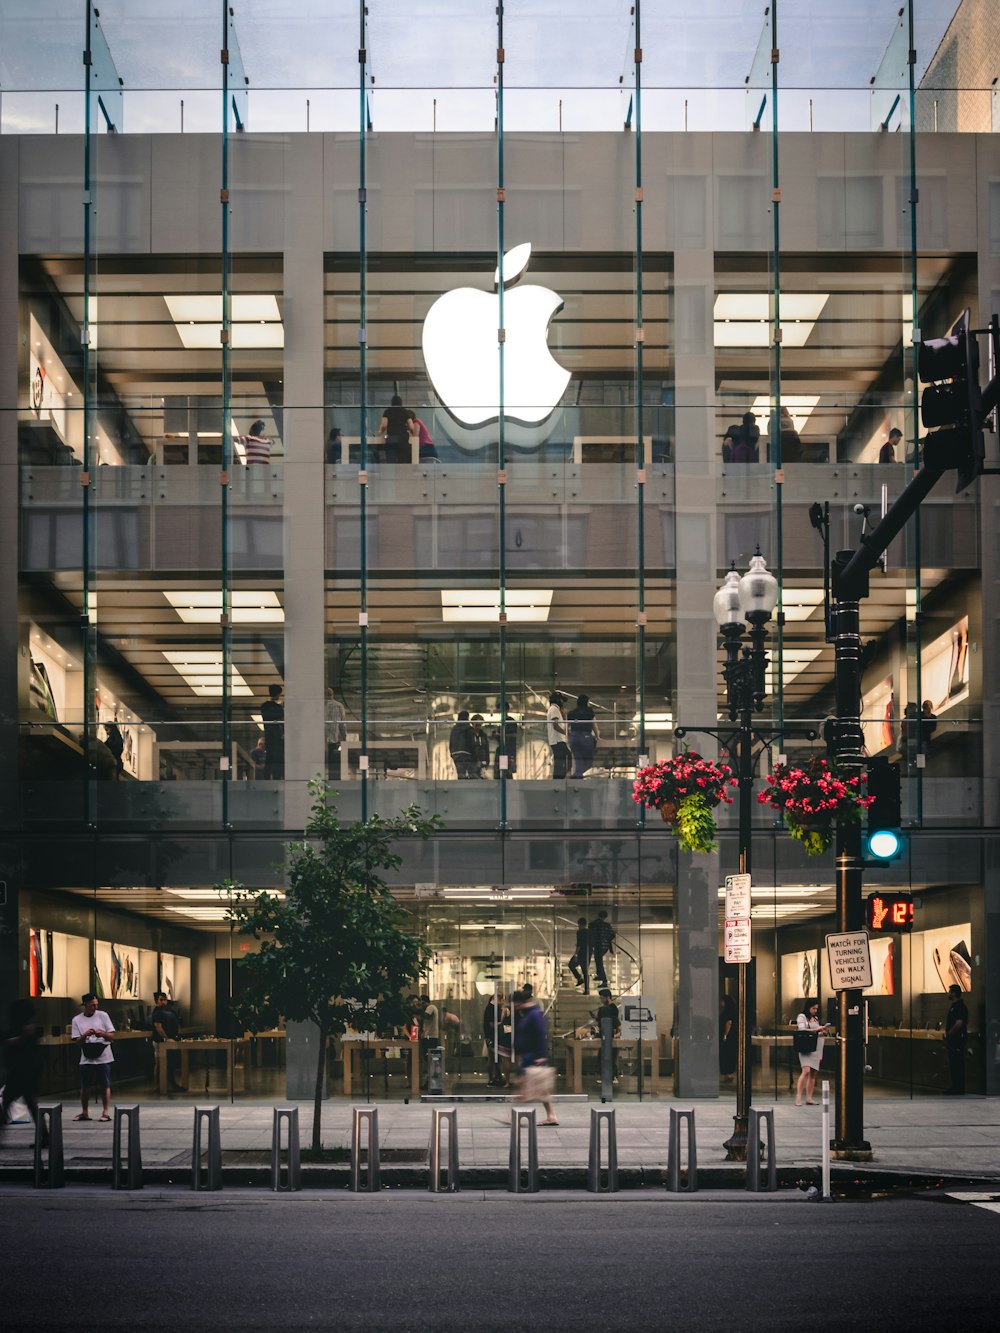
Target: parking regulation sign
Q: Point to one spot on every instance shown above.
(736, 941)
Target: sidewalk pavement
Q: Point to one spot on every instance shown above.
(954, 1138)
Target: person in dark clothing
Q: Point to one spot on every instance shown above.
(583, 735)
(479, 747)
(532, 1046)
(493, 1034)
(578, 962)
(506, 745)
(395, 430)
(601, 939)
(791, 445)
(460, 745)
(956, 1033)
(745, 440)
(887, 454)
(166, 1027)
(727, 1036)
(22, 1059)
(273, 716)
(115, 742)
(334, 444)
(607, 1009)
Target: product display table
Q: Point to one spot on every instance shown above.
(351, 1049)
(235, 1049)
(578, 1047)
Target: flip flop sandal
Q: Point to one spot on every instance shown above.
(81, 1117)
(106, 1117)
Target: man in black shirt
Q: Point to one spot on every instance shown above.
(601, 937)
(956, 1030)
(578, 963)
(166, 1027)
(273, 716)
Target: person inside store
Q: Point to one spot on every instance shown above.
(115, 742)
(22, 1061)
(583, 735)
(791, 445)
(887, 454)
(745, 440)
(258, 758)
(506, 745)
(555, 724)
(336, 732)
(166, 1027)
(430, 1033)
(580, 957)
(92, 1031)
(608, 1009)
(809, 1045)
(479, 747)
(273, 716)
(496, 1020)
(395, 431)
(460, 745)
(256, 445)
(334, 443)
(956, 1034)
(601, 941)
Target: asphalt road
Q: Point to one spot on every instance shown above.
(94, 1260)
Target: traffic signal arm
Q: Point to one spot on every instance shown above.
(851, 583)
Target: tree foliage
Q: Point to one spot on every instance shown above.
(335, 950)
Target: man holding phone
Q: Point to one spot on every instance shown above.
(92, 1031)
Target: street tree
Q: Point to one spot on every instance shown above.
(335, 950)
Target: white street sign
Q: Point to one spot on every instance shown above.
(737, 897)
(736, 941)
(849, 961)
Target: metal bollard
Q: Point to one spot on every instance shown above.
(49, 1175)
(521, 1118)
(754, 1143)
(441, 1116)
(435, 1070)
(293, 1177)
(126, 1175)
(365, 1115)
(674, 1153)
(209, 1176)
(597, 1183)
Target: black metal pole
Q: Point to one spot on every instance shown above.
(849, 1141)
(736, 1145)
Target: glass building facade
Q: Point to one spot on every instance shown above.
(579, 242)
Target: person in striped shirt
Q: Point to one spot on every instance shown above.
(257, 445)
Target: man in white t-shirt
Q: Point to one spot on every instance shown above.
(92, 1030)
(555, 726)
(430, 1030)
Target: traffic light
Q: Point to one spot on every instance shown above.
(889, 912)
(885, 839)
(952, 403)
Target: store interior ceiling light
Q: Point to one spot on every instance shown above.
(483, 604)
(800, 603)
(743, 319)
(793, 662)
(800, 406)
(203, 672)
(255, 321)
(218, 895)
(766, 892)
(199, 606)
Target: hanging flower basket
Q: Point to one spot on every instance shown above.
(812, 798)
(685, 790)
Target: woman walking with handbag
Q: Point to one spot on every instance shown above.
(538, 1079)
(808, 1042)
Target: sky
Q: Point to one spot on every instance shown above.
(432, 63)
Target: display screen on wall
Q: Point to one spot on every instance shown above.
(884, 952)
(116, 968)
(944, 957)
(945, 668)
(878, 716)
(799, 976)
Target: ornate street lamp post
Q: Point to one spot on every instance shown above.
(740, 602)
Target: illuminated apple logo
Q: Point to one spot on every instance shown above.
(461, 355)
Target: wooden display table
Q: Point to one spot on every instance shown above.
(351, 1048)
(234, 1048)
(578, 1047)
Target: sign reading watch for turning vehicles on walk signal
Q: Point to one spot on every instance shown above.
(889, 912)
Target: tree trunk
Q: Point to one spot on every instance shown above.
(318, 1094)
